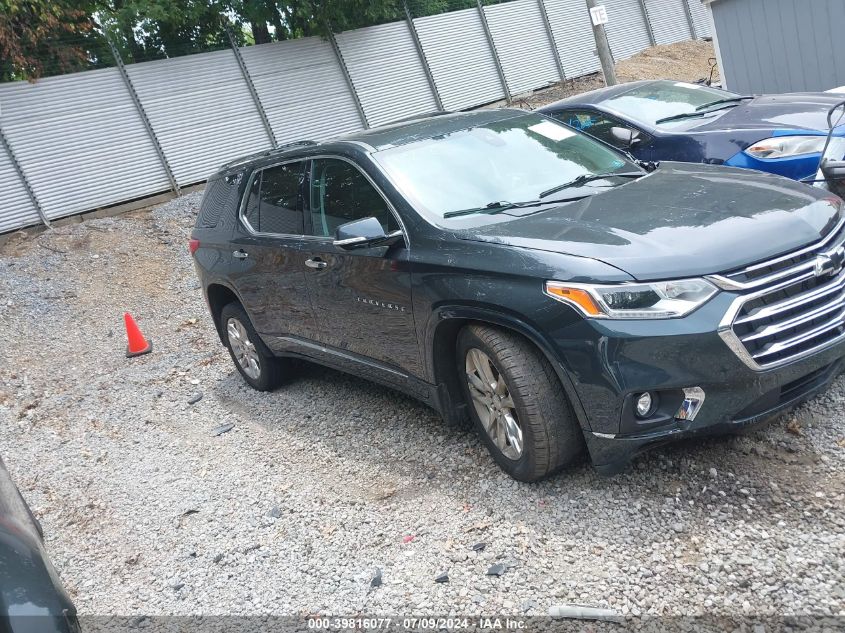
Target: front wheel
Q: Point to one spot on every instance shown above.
(257, 365)
(517, 403)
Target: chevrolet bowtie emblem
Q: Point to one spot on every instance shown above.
(829, 264)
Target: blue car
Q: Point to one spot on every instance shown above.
(676, 121)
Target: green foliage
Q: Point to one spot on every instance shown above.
(32, 34)
(44, 37)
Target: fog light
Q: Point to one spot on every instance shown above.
(644, 405)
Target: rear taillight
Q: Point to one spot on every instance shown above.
(193, 245)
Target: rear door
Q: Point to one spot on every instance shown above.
(270, 249)
(361, 298)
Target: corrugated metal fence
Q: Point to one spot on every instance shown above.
(83, 141)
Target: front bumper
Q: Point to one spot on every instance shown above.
(612, 361)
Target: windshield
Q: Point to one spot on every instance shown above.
(512, 160)
(662, 99)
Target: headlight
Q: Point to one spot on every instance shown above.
(658, 300)
(785, 146)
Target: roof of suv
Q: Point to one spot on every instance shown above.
(413, 130)
(386, 136)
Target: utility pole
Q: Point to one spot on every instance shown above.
(598, 18)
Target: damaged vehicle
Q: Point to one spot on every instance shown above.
(504, 268)
(781, 134)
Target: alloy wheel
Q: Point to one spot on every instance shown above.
(493, 403)
(243, 349)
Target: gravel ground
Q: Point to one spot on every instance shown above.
(329, 480)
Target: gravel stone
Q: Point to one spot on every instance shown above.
(223, 428)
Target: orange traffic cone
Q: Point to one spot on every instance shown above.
(137, 343)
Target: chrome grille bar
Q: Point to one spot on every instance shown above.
(835, 323)
(792, 312)
(801, 319)
(774, 309)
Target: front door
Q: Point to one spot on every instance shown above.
(270, 253)
(361, 298)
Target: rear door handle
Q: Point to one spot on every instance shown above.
(315, 263)
(241, 254)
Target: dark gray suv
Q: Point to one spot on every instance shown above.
(504, 268)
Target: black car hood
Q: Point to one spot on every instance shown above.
(794, 111)
(682, 220)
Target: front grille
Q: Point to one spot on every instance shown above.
(792, 310)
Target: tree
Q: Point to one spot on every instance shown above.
(144, 30)
(42, 36)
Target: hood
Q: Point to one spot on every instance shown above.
(795, 111)
(682, 220)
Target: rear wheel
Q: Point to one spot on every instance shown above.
(257, 365)
(517, 403)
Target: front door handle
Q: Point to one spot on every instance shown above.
(241, 254)
(315, 263)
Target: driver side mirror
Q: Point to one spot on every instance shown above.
(626, 137)
(833, 169)
(364, 233)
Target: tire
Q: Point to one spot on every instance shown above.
(256, 364)
(551, 437)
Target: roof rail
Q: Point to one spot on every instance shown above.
(265, 153)
(422, 115)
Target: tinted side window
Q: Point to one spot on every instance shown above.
(279, 203)
(340, 194)
(593, 123)
(274, 202)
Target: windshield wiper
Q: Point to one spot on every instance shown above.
(701, 110)
(500, 206)
(492, 208)
(583, 179)
(704, 106)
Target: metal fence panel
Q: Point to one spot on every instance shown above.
(16, 210)
(302, 89)
(387, 72)
(700, 19)
(668, 20)
(627, 31)
(460, 59)
(804, 58)
(524, 49)
(570, 22)
(83, 145)
(201, 111)
(80, 141)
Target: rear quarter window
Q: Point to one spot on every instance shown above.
(220, 201)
